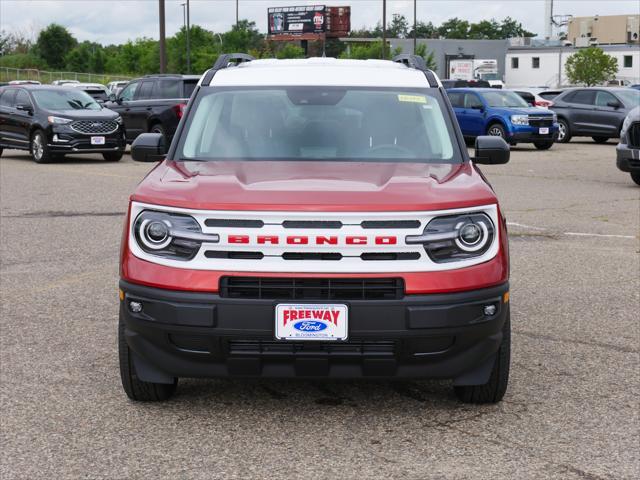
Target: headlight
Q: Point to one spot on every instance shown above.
(170, 235)
(625, 126)
(58, 120)
(119, 120)
(456, 237)
(520, 119)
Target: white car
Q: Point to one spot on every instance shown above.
(97, 91)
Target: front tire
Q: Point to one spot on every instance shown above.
(564, 132)
(496, 130)
(543, 145)
(40, 152)
(158, 128)
(134, 388)
(635, 176)
(600, 139)
(113, 156)
(496, 387)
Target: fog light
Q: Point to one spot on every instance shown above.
(135, 307)
(489, 310)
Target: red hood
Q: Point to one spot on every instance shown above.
(314, 186)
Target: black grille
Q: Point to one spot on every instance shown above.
(94, 126)
(363, 348)
(240, 255)
(634, 135)
(311, 256)
(311, 224)
(390, 256)
(238, 223)
(541, 121)
(370, 224)
(312, 288)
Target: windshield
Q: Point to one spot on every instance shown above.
(504, 99)
(319, 123)
(630, 97)
(64, 99)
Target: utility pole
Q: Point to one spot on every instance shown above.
(163, 50)
(188, 40)
(237, 18)
(384, 29)
(415, 24)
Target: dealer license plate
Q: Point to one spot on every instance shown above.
(544, 131)
(311, 322)
(97, 140)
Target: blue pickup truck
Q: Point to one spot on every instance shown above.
(488, 111)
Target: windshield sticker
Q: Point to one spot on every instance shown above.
(412, 98)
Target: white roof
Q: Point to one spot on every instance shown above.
(321, 71)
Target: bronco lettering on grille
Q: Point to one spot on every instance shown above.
(315, 240)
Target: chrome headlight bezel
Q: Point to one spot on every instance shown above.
(444, 241)
(53, 120)
(520, 119)
(181, 237)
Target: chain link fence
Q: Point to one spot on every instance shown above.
(8, 74)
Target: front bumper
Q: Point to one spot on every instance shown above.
(528, 134)
(185, 334)
(65, 140)
(627, 158)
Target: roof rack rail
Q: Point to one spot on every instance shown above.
(224, 61)
(162, 75)
(417, 62)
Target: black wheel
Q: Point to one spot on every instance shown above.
(496, 130)
(0, 152)
(635, 176)
(543, 145)
(38, 147)
(600, 139)
(564, 132)
(158, 128)
(113, 156)
(495, 388)
(134, 388)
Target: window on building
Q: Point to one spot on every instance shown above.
(515, 62)
(628, 61)
(535, 62)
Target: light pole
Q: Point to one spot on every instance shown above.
(415, 24)
(237, 18)
(188, 42)
(163, 52)
(384, 29)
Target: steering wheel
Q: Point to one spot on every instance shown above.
(390, 147)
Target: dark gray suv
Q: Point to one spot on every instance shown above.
(595, 112)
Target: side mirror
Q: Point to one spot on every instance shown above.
(112, 97)
(614, 104)
(491, 150)
(148, 147)
(25, 108)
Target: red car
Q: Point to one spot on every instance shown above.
(316, 218)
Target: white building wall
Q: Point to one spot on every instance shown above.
(553, 62)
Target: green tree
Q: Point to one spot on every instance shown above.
(429, 56)
(53, 44)
(591, 66)
(205, 47)
(399, 27)
(243, 37)
(454, 28)
(289, 50)
(369, 50)
(510, 28)
(486, 29)
(425, 30)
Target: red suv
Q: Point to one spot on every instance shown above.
(316, 218)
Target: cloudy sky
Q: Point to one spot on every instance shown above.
(116, 21)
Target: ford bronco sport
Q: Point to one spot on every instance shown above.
(316, 218)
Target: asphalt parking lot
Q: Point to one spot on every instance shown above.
(571, 411)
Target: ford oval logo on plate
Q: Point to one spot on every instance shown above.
(309, 326)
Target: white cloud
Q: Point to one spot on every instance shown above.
(115, 21)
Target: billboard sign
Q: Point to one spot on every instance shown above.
(297, 20)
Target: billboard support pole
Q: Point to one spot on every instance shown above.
(415, 24)
(163, 52)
